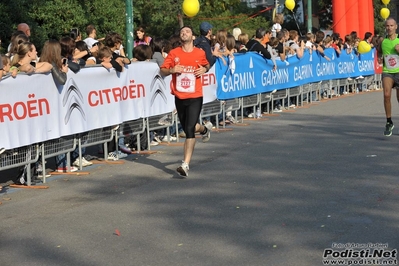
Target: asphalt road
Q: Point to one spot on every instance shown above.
(275, 192)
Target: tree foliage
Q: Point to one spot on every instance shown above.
(55, 18)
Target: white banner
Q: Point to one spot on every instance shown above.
(33, 109)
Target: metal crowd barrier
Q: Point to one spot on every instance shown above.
(316, 88)
(133, 128)
(279, 95)
(367, 81)
(23, 156)
(295, 92)
(306, 90)
(26, 155)
(378, 81)
(95, 137)
(266, 98)
(352, 85)
(342, 83)
(56, 147)
(211, 109)
(247, 102)
(153, 123)
(231, 105)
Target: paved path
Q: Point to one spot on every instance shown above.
(276, 192)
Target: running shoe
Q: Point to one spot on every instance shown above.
(207, 135)
(183, 169)
(388, 129)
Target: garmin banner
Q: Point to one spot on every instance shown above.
(250, 73)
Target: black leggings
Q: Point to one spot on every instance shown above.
(188, 111)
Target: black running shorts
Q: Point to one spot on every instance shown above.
(189, 111)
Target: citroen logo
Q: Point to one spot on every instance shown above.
(72, 100)
(158, 88)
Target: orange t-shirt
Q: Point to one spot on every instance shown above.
(186, 85)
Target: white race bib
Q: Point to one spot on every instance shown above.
(185, 82)
(391, 61)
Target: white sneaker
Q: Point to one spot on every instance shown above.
(157, 139)
(207, 135)
(40, 175)
(171, 138)
(292, 106)
(84, 162)
(183, 169)
(231, 119)
(154, 143)
(121, 154)
(64, 169)
(251, 115)
(276, 110)
(112, 156)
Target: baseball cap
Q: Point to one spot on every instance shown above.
(205, 26)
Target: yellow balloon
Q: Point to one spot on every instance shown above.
(384, 12)
(290, 4)
(363, 47)
(191, 7)
(386, 2)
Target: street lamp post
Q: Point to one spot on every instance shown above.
(309, 15)
(129, 28)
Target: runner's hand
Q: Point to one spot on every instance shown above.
(200, 71)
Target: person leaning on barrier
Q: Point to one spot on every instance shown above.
(67, 50)
(15, 42)
(89, 58)
(25, 60)
(105, 58)
(296, 46)
(158, 45)
(255, 45)
(204, 42)
(114, 41)
(6, 61)
(51, 53)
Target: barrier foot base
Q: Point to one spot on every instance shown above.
(23, 186)
(70, 173)
(99, 161)
(145, 152)
(172, 144)
(270, 114)
(241, 124)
